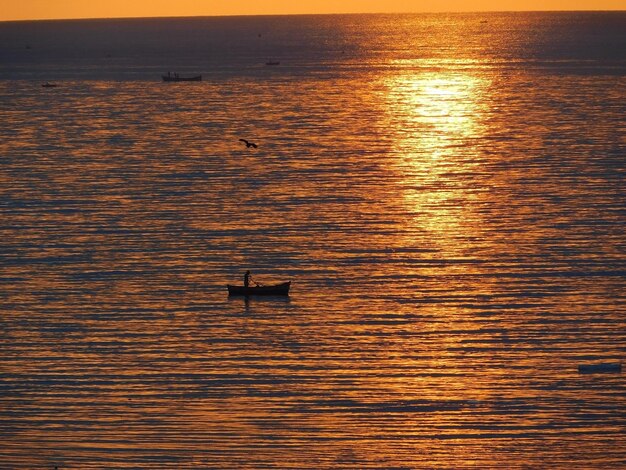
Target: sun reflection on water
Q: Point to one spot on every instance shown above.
(443, 109)
(438, 118)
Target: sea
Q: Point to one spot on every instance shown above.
(445, 192)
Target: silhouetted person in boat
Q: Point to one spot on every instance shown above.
(246, 279)
(248, 144)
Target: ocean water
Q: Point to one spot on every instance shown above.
(445, 192)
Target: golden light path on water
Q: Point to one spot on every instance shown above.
(437, 117)
(434, 118)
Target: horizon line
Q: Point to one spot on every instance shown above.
(308, 14)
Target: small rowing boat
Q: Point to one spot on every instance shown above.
(276, 289)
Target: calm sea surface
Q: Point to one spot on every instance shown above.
(446, 193)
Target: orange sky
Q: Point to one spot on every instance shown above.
(47, 9)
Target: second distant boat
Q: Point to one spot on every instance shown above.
(174, 77)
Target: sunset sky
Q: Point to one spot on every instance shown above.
(53, 9)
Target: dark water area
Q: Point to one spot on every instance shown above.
(445, 192)
(227, 47)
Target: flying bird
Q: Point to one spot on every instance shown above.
(248, 144)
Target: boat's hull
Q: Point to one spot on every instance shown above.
(173, 78)
(278, 289)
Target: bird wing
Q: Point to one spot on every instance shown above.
(254, 145)
(244, 141)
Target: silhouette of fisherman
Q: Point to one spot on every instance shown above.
(246, 279)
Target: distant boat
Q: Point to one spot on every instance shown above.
(277, 289)
(174, 77)
(272, 62)
(602, 368)
(48, 85)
